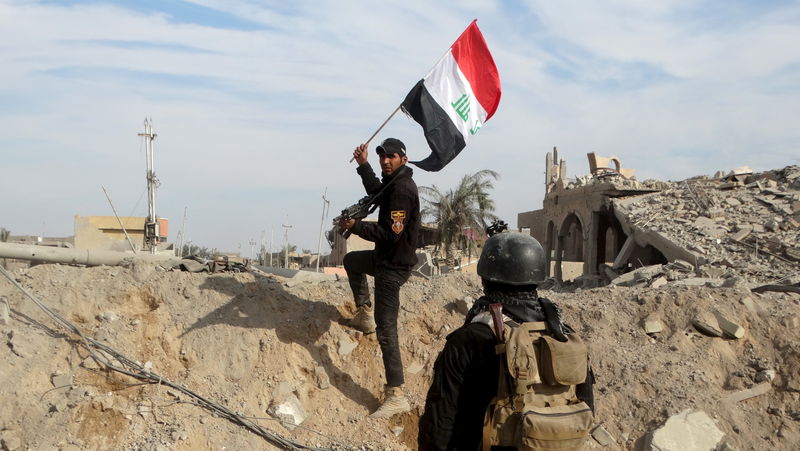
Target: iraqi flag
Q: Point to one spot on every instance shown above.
(454, 100)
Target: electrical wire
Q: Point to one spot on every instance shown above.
(107, 357)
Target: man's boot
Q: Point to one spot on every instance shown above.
(364, 320)
(395, 403)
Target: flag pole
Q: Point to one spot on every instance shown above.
(380, 128)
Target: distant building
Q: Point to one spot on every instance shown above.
(105, 232)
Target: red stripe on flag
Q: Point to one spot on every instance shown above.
(476, 63)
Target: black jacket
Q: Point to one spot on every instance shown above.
(396, 233)
(464, 383)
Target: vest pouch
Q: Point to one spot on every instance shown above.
(500, 426)
(563, 363)
(562, 428)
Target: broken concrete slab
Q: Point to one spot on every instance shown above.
(698, 282)
(752, 392)
(289, 412)
(652, 325)
(707, 324)
(728, 327)
(602, 436)
(658, 282)
(638, 275)
(742, 234)
(708, 227)
(346, 345)
(681, 265)
(751, 305)
(686, 430)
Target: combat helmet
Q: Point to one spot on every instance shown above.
(512, 258)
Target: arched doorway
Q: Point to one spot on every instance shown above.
(569, 249)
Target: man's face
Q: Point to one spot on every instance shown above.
(391, 162)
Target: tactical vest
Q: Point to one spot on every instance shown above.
(536, 407)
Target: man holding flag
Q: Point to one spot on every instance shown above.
(451, 103)
(390, 263)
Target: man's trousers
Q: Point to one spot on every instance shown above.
(358, 265)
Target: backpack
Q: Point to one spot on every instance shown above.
(536, 407)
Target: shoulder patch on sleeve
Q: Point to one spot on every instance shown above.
(398, 220)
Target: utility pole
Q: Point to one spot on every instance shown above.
(252, 248)
(263, 251)
(325, 205)
(286, 228)
(151, 225)
(271, 240)
(183, 230)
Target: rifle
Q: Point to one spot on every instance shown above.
(364, 207)
(359, 210)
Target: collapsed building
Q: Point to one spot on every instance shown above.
(601, 225)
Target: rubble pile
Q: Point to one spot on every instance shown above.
(616, 181)
(743, 226)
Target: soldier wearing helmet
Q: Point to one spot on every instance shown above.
(465, 378)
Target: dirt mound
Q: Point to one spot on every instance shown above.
(248, 340)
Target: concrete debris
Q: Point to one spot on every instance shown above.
(346, 345)
(681, 265)
(652, 325)
(602, 436)
(289, 412)
(751, 305)
(728, 327)
(707, 324)
(193, 265)
(688, 430)
(464, 304)
(745, 225)
(698, 282)
(638, 275)
(717, 325)
(108, 316)
(756, 390)
(659, 282)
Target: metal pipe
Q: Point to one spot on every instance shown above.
(88, 257)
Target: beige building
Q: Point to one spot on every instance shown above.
(577, 225)
(105, 232)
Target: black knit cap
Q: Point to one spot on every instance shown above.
(390, 146)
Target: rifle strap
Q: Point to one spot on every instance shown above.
(374, 197)
(500, 334)
(497, 320)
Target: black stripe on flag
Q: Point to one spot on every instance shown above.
(444, 139)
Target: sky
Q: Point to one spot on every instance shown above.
(259, 104)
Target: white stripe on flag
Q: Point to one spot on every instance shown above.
(450, 89)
